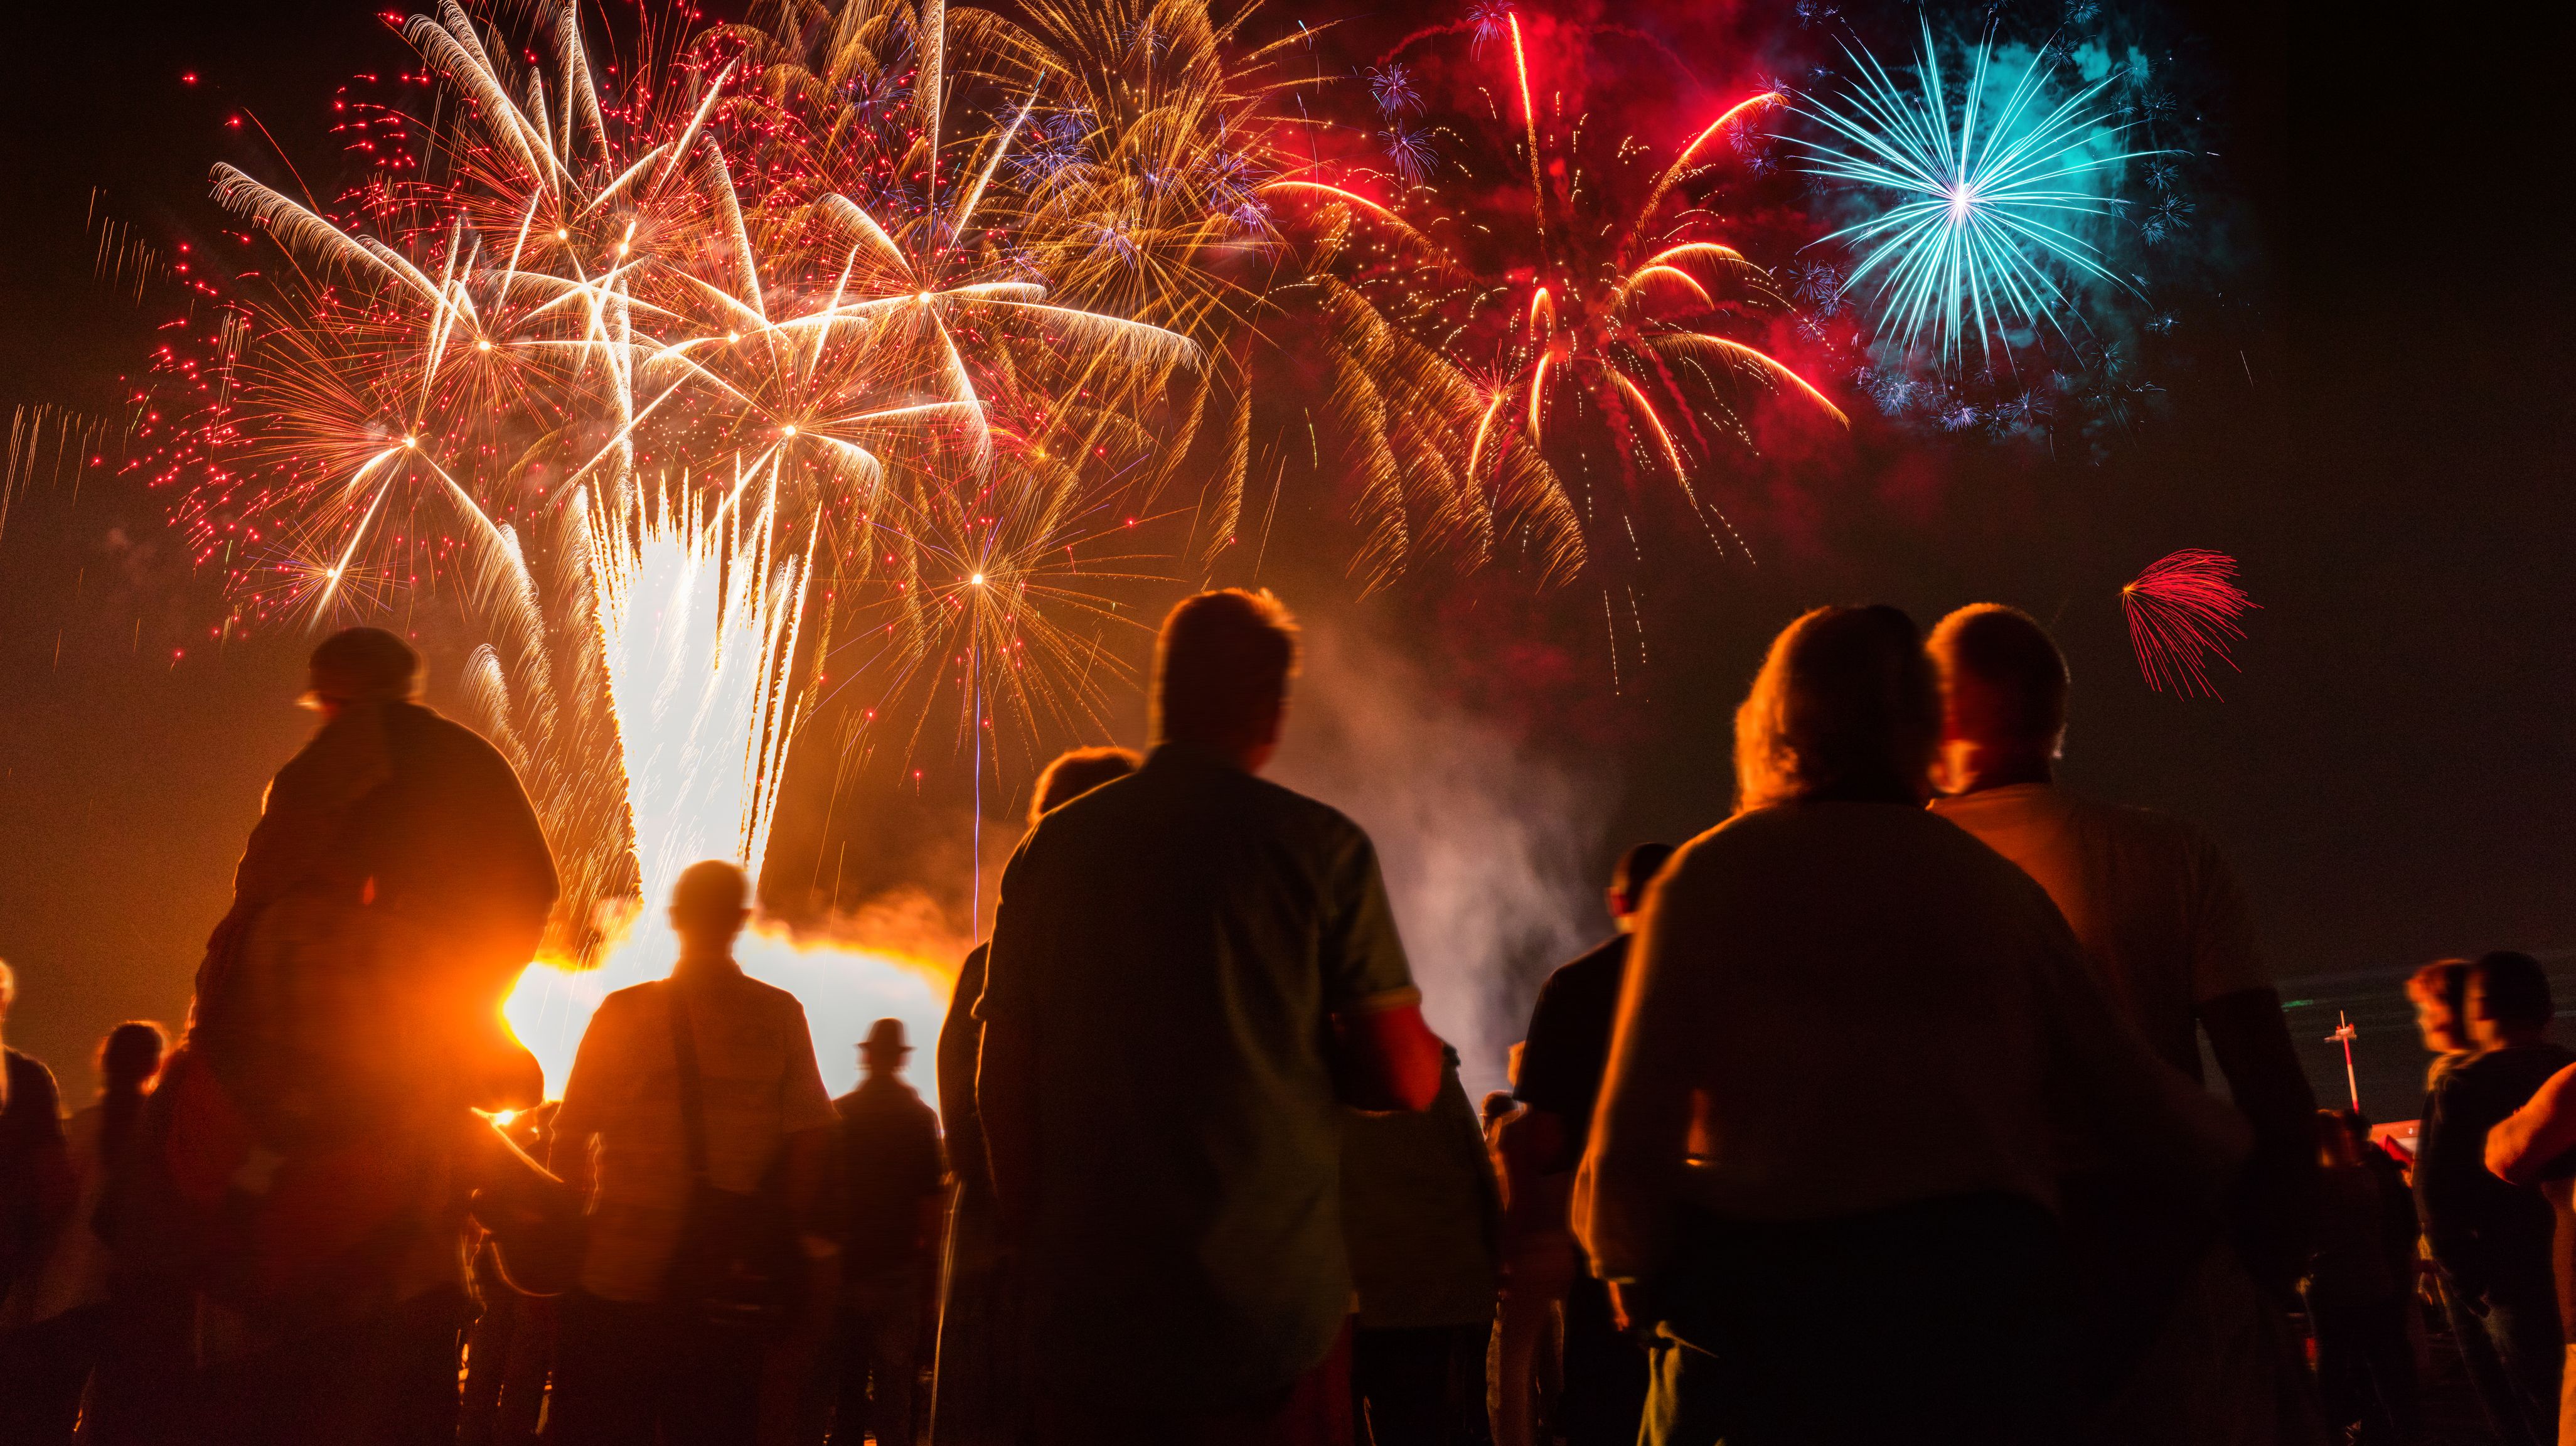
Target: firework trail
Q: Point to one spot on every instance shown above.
(1486, 369)
(1993, 187)
(2182, 611)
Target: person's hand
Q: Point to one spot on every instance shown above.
(1636, 1306)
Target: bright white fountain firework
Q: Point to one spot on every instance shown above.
(1995, 192)
(698, 621)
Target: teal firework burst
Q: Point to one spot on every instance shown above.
(1990, 197)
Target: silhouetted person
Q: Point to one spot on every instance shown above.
(2357, 1296)
(39, 1183)
(2492, 1239)
(347, 1015)
(895, 1177)
(55, 1323)
(1422, 1213)
(1858, 1055)
(510, 1350)
(1560, 1078)
(1539, 1264)
(2440, 993)
(978, 1397)
(2536, 1146)
(641, 1348)
(2165, 931)
(1184, 962)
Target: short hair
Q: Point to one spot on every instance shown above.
(131, 1053)
(363, 665)
(2007, 650)
(714, 889)
(1845, 702)
(2444, 982)
(1077, 772)
(2516, 987)
(1638, 868)
(1223, 662)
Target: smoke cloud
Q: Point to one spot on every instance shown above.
(1489, 845)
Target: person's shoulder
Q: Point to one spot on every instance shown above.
(1603, 960)
(765, 998)
(1298, 810)
(28, 1067)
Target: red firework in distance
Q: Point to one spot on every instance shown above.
(2182, 611)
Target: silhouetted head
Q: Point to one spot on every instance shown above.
(1844, 707)
(2440, 991)
(1498, 1104)
(2357, 1125)
(2334, 1142)
(1638, 867)
(709, 906)
(883, 1051)
(1076, 773)
(1221, 671)
(130, 1056)
(2003, 696)
(361, 665)
(2508, 999)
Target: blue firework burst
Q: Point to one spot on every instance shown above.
(1991, 188)
(1410, 152)
(1391, 86)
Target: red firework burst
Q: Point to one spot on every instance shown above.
(2181, 611)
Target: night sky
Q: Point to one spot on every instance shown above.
(2388, 457)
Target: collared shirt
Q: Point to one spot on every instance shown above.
(1176, 943)
(759, 1084)
(1835, 1008)
(2162, 922)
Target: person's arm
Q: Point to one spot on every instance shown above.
(1627, 1190)
(1006, 1057)
(2278, 1213)
(57, 1183)
(2276, 1207)
(1385, 1055)
(1390, 1058)
(1006, 1101)
(2532, 1138)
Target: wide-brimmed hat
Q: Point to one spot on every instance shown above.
(886, 1035)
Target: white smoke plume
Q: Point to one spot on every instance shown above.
(1489, 845)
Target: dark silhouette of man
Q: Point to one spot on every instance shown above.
(979, 1399)
(2165, 931)
(895, 1174)
(347, 1015)
(2492, 1238)
(1191, 971)
(36, 1176)
(1562, 1062)
(1422, 1212)
(634, 1358)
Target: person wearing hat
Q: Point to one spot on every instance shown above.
(346, 1020)
(895, 1174)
